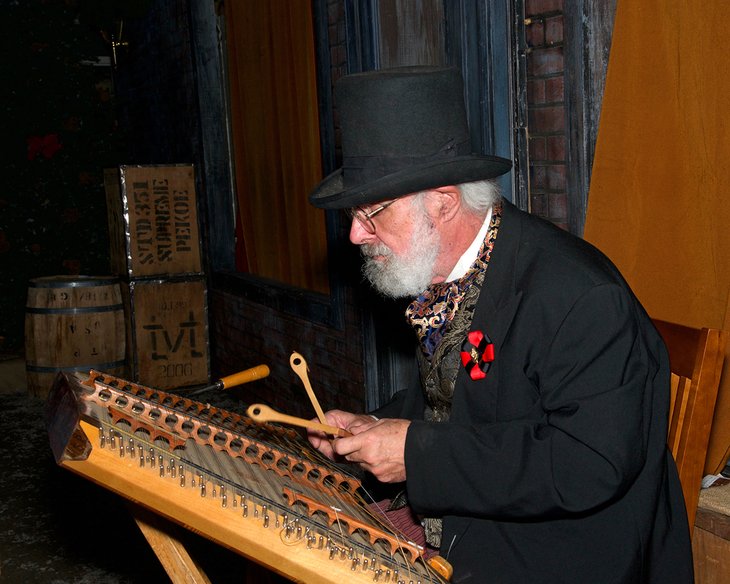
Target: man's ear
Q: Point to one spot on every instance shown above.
(444, 202)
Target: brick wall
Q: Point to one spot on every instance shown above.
(247, 333)
(546, 110)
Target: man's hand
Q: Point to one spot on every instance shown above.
(339, 419)
(377, 446)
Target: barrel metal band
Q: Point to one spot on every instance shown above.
(81, 310)
(53, 283)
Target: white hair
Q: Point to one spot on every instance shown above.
(480, 195)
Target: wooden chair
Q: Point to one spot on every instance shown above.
(696, 358)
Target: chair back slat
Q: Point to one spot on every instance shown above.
(696, 357)
(678, 410)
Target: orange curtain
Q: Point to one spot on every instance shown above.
(276, 144)
(659, 203)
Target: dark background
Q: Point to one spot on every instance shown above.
(60, 132)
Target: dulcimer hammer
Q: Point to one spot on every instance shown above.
(252, 374)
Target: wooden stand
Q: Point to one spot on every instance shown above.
(167, 541)
(163, 539)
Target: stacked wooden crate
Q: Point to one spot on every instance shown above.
(156, 252)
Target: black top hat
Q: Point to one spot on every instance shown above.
(403, 130)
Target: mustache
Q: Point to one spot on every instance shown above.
(370, 250)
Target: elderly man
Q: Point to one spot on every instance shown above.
(534, 447)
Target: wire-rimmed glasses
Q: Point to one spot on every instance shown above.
(365, 218)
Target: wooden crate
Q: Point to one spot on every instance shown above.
(153, 221)
(167, 329)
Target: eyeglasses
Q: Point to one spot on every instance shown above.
(365, 218)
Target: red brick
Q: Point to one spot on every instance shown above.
(535, 34)
(556, 148)
(538, 204)
(544, 120)
(555, 89)
(538, 148)
(338, 54)
(545, 62)
(533, 7)
(333, 31)
(558, 206)
(335, 11)
(556, 177)
(536, 91)
(537, 178)
(554, 30)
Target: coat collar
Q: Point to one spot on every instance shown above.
(499, 298)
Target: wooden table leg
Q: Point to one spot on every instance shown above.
(160, 534)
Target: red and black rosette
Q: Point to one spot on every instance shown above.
(477, 354)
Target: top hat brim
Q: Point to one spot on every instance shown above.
(331, 193)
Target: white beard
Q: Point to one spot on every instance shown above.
(409, 274)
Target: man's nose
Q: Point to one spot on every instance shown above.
(358, 234)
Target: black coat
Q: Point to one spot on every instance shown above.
(554, 468)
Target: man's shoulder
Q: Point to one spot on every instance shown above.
(540, 245)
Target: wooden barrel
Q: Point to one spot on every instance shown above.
(72, 323)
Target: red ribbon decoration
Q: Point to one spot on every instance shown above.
(477, 354)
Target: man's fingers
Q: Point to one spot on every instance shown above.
(345, 447)
(320, 442)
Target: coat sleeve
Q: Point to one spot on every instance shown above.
(580, 441)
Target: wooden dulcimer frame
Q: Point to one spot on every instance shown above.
(259, 490)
